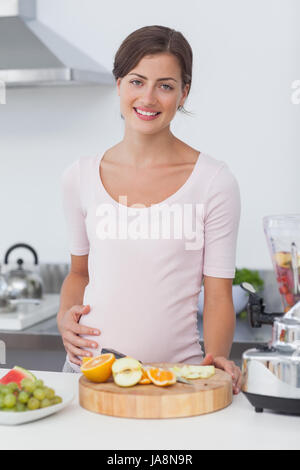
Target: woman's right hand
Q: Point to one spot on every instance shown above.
(70, 330)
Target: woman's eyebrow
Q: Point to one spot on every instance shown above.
(158, 80)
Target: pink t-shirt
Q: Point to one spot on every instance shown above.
(146, 264)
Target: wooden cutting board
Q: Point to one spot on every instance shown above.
(151, 401)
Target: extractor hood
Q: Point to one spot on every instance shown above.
(31, 54)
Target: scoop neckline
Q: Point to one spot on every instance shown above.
(182, 188)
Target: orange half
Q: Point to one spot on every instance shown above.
(98, 369)
(85, 359)
(161, 377)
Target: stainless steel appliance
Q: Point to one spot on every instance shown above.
(23, 283)
(271, 372)
(7, 304)
(22, 300)
(32, 54)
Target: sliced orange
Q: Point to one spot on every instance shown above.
(161, 377)
(145, 379)
(85, 359)
(98, 369)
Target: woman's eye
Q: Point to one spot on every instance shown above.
(164, 84)
(133, 81)
(169, 87)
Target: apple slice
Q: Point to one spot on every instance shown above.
(194, 372)
(127, 371)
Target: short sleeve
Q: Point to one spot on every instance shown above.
(221, 224)
(73, 212)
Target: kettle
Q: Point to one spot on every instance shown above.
(23, 283)
(8, 305)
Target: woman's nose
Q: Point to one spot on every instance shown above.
(149, 97)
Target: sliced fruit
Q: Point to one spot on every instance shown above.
(176, 370)
(194, 372)
(283, 259)
(128, 378)
(16, 375)
(98, 369)
(289, 298)
(85, 359)
(127, 371)
(161, 377)
(145, 379)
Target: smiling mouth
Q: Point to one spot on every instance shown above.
(147, 115)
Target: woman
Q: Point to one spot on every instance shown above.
(131, 213)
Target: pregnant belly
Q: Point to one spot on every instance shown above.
(134, 335)
(148, 334)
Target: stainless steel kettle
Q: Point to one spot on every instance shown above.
(23, 283)
(8, 305)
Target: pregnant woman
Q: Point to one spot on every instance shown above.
(149, 220)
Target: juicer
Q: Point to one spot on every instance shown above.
(271, 372)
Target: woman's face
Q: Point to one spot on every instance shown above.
(143, 89)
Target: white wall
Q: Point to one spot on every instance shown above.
(246, 55)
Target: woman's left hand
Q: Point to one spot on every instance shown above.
(229, 367)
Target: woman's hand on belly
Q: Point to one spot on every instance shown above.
(70, 331)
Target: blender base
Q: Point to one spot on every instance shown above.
(282, 405)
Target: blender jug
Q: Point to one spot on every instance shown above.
(283, 238)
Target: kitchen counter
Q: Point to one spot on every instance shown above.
(235, 427)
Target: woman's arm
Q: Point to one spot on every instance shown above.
(71, 293)
(218, 316)
(71, 309)
(219, 325)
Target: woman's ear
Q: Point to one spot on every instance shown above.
(186, 91)
(118, 85)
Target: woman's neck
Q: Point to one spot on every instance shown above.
(147, 150)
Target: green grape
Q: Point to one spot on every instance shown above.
(13, 386)
(28, 385)
(33, 404)
(10, 400)
(45, 403)
(39, 394)
(56, 400)
(23, 397)
(20, 407)
(50, 393)
(1, 402)
(5, 390)
(39, 383)
(9, 409)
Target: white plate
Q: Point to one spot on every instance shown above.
(11, 418)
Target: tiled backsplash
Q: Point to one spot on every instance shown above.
(53, 276)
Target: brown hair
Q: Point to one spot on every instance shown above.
(151, 40)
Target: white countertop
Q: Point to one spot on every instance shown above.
(235, 427)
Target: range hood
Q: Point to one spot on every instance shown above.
(31, 54)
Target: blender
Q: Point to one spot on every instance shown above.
(271, 372)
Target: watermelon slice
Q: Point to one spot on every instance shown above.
(16, 375)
